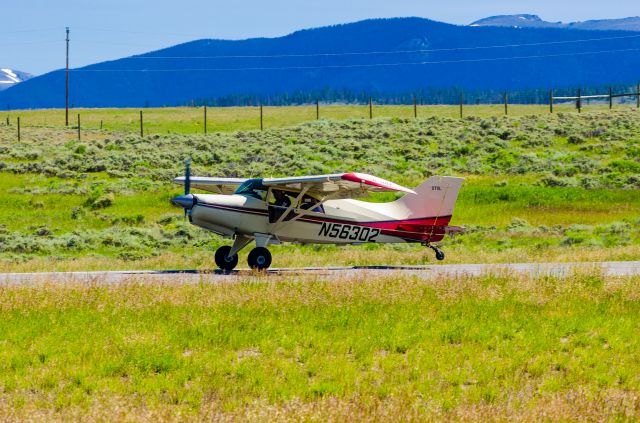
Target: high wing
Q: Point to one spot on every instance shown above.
(336, 186)
(225, 186)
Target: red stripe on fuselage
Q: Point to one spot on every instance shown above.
(420, 229)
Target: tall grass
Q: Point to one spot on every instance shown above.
(280, 348)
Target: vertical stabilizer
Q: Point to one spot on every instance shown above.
(436, 197)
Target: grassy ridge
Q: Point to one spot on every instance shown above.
(441, 348)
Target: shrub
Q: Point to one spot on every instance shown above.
(575, 139)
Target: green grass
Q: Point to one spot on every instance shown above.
(190, 120)
(538, 187)
(503, 346)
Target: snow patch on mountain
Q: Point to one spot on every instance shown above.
(534, 21)
(10, 77)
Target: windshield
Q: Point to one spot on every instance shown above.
(253, 188)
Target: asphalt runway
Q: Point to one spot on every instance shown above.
(618, 268)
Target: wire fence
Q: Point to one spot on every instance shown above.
(206, 119)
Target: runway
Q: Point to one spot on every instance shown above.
(618, 268)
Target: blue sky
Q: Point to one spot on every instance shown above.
(32, 31)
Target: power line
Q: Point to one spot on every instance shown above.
(387, 52)
(30, 42)
(493, 59)
(20, 31)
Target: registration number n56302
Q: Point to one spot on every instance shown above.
(349, 232)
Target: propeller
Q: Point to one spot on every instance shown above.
(186, 201)
(187, 177)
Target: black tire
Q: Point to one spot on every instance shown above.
(259, 258)
(226, 263)
(439, 255)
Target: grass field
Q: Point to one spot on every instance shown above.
(190, 120)
(298, 348)
(538, 187)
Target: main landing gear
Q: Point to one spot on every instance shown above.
(438, 251)
(224, 261)
(259, 258)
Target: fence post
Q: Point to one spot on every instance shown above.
(415, 107)
(261, 118)
(141, 125)
(78, 126)
(101, 124)
(370, 108)
(506, 103)
(205, 119)
(550, 101)
(579, 101)
(610, 98)
(317, 109)
(18, 128)
(7, 120)
(461, 102)
(638, 97)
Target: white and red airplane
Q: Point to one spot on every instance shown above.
(316, 210)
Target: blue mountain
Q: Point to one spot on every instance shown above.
(383, 56)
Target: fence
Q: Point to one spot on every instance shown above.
(579, 98)
(206, 119)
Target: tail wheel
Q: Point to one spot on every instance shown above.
(259, 258)
(223, 260)
(439, 255)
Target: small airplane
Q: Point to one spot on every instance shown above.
(318, 209)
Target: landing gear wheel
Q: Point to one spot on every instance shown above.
(259, 258)
(223, 260)
(438, 251)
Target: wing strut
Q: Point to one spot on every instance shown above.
(299, 212)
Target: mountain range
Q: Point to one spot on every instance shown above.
(379, 57)
(10, 77)
(534, 21)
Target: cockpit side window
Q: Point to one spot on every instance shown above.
(253, 188)
(308, 202)
(284, 199)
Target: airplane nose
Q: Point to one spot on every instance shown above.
(185, 201)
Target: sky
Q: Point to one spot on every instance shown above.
(32, 32)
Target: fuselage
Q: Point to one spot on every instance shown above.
(333, 222)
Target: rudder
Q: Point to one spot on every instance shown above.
(436, 197)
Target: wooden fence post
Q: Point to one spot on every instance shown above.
(18, 128)
(261, 118)
(506, 103)
(317, 109)
(7, 120)
(579, 101)
(638, 97)
(78, 126)
(370, 108)
(205, 119)
(415, 107)
(550, 101)
(141, 125)
(461, 102)
(610, 98)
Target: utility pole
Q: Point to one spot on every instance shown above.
(66, 95)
